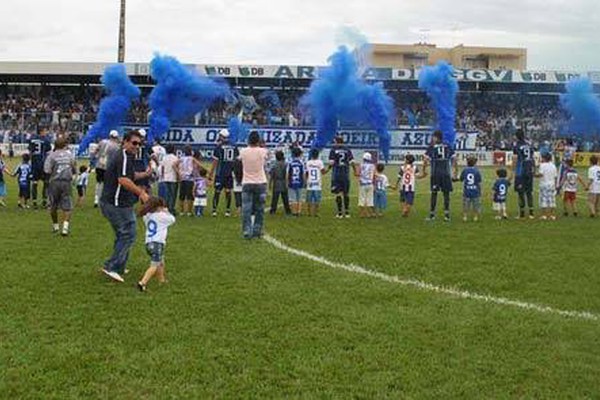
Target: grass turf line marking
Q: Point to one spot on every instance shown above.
(431, 287)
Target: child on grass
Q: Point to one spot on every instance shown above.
(296, 181)
(381, 185)
(157, 220)
(500, 193)
(2, 183)
(81, 184)
(366, 175)
(314, 185)
(24, 174)
(471, 178)
(593, 186)
(547, 174)
(407, 176)
(278, 183)
(200, 197)
(568, 183)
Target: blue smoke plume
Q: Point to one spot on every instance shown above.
(339, 95)
(114, 107)
(583, 105)
(238, 131)
(440, 85)
(180, 93)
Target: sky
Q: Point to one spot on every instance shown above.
(559, 35)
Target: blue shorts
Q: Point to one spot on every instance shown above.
(407, 197)
(295, 195)
(25, 191)
(224, 182)
(340, 184)
(2, 189)
(313, 196)
(524, 183)
(380, 199)
(37, 172)
(156, 251)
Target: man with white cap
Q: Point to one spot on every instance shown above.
(106, 149)
(221, 172)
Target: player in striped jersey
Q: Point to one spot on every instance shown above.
(407, 177)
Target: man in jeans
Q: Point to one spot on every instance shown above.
(254, 186)
(119, 195)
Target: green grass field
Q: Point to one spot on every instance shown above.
(243, 319)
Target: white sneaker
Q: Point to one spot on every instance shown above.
(113, 275)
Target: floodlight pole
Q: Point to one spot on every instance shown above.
(121, 56)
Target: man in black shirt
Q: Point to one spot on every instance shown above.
(119, 195)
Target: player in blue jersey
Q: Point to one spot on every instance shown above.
(39, 147)
(440, 156)
(296, 169)
(500, 194)
(523, 167)
(221, 172)
(141, 163)
(341, 160)
(23, 173)
(471, 178)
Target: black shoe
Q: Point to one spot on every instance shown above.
(141, 287)
(565, 214)
(95, 205)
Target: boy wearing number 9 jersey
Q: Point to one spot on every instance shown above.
(500, 193)
(314, 172)
(157, 220)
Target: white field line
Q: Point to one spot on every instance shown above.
(431, 287)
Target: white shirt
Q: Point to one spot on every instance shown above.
(594, 177)
(82, 179)
(408, 178)
(367, 171)
(381, 182)
(570, 181)
(157, 225)
(549, 174)
(313, 169)
(168, 168)
(160, 152)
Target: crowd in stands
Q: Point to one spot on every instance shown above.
(70, 109)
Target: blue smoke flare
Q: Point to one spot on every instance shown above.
(440, 85)
(339, 95)
(114, 107)
(180, 93)
(583, 105)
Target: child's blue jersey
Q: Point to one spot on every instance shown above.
(501, 190)
(296, 174)
(23, 174)
(471, 179)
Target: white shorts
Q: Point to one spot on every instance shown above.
(547, 196)
(200, 201)
(499, 206)
(365, 196)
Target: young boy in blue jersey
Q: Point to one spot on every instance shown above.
(296, 181)
(500, 194)
(471, 178)
(24, 175)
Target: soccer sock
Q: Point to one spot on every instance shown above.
(446, 202)
(347, 203)
(34, 192)
(228, 200)
(530, 202)
(338, 201)
(66, 225)
(216, 200)
(521, 204)
(433, 203)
